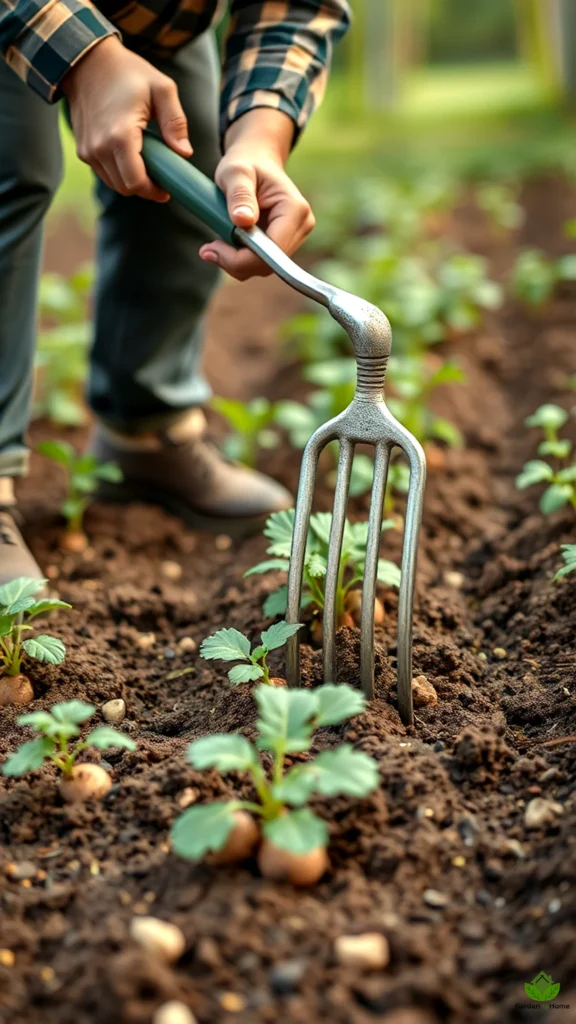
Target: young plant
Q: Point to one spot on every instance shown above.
(569, 558)
(19, 605)
(55, 729)
(294, 842)
(536, 275)
(83, 473)
(556, 471)
(251, 422)
(279, 528)
(500, 202)
(62, 347)
(231, 645)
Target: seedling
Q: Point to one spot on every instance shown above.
(569, 558)
(231, 645)
(536, 275)
(18, 607)
(251, 422)
(279, 528)
(500, 202)
(56, 728)
(83, 472)
(62, 346)
(294, 838)
(560, 482)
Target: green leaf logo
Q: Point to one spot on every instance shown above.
(542, 989)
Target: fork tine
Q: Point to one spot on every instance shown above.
(381, 462)
(414, 506)
(302, 511)
(334, 552)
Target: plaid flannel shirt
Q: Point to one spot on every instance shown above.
(277, 52)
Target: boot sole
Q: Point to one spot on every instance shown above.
(236, 527)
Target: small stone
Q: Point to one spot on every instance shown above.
(459, 861)
(286, 976)
(187, 645)
(52, 572)
(146, 640)
(554, 906)
(158, 937)
(500, 653)
(541, 812)
(423, 692)
(23, 869)
(454, 579)
(114, 711)
(7, 958)
(188, 796)
(208, 953)
(369, 951)
(500, 902)
(483, 898)
(483, 656)
(435, 898)
(232, 1002)
(223, 542)
(47, 974)
(514, 847)
(171, 570)
(169, 653)
(438, 747)
(173, 1012)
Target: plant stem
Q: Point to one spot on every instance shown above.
(265, 669)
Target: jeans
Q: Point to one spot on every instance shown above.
(151, 288)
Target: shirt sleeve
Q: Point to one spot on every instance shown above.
(277, 54)
(42, 39)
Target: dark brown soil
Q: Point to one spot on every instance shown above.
(450, 812)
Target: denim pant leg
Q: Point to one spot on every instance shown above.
(30, 171)
(152, 287)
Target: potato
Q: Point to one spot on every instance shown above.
(15, 690)
(354, 607)
(317, 628)
(301, 869)
(241, 842)
(74, 541)
(277, 681)
(87, 782)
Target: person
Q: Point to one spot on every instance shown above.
(119, 66)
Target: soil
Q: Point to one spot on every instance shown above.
(439, 860)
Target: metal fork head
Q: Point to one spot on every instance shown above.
(367, 420)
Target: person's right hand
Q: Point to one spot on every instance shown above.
(113, 94)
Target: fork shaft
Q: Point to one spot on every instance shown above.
(334, 553)
(414, 505)
(381, 462)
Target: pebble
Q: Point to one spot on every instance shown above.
(7, 958)
(515, 847)
(454, 579)
(208, 953)
(554, 906)
(114, 711)
(435, 898)
(173, 1012)
(171, 570)
(483, 898)
(146, 640)
(459, 861)
(286, 976)
(423, 692)
(483, 656)
(500, 653)
(187, 644)
(169, 653)
(22, 870)
(370, 950)
(223, 542)
(541, 812)
(188, 796)
(232, 1002)
(158, 937)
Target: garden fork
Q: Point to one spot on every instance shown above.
(367, 420)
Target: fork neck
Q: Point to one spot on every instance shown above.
(370, 378)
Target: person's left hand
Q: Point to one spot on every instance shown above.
(258, 191)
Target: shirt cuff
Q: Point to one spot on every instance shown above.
(52, 39)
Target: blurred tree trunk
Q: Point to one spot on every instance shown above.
(389, 37)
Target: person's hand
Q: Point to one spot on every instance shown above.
(113, 94)
(258, 191)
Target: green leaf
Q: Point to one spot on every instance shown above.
(45, 648)
(236, 413)
(58, 451)
(103, 737)
(297, 831)
(228, 753)
(6, 624)
(548, 416)
(388, 573)
(16, 595)
(567, 475)
(109, 471)
(270, 565)
(316, 565)
(202, 830)
(28, 757)
(279, 528)
(43, 607)
(245, 674)
(559, 449)
(296, 787)
(345, 771)
(277, 635)
(569, 557)
(534, 472)
(567, 267)
(227, 645)
(275, 603)
(446, 431)
(286, 718)
(549, 994)
(336, 704)
(555, 497)
(41, 721)
(72, 711)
